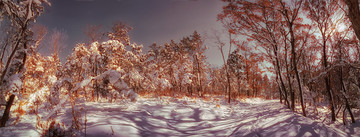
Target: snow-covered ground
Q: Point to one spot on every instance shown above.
(188, 117)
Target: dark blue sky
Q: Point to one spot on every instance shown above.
(153, 20)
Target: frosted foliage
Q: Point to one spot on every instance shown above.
(120, 85)
(307, 94)
(15, 83)
(187, 78)
(132, 56)
(39, 68)
(85, 82)
(118, 69)
(135, 75)
(115, 80)
(27, 9)
(55, 90)
(39, 95)
(114, 76)
(94, 47)
(129, 93)
(113, 44)
(117, 83)
(52, 79)
(164, 83)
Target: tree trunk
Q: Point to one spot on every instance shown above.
(227, 69)
(327, 82)
(344, 117)
(229, 87)
(282, 83)
(347, 105)
(23, 36)
(354, 15)
(247, 74)
(239, 84)
(296, 73)
(199, 77)
(280, 94)
(292, 93)
(22, 33)
(6, 114)
(301, 93)
(292, 42)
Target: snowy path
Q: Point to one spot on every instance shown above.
(151, 117)
(187, 117)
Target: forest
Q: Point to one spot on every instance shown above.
(300, 56)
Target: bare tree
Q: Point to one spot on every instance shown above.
(291, 15)
(40, 32)
(57, 39)
(258, 21)
(322, 12)
(94, 32)
(120, 32)
(221, 45)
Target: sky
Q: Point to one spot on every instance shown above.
(153, 21)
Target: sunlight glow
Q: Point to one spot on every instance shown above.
(341, 27)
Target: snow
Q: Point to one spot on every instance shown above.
(187, 78)
(29, 14)
(167, 116)
(15, 83)
(39, 69)
(164, 83)
(25, 128)
(85, 83)
(39, 95)
(135, 75)
(52, 79)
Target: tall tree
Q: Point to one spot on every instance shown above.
(340, 43)
(236, 67)
(21, 15)
(322, 12)
(291, 17)
(259, 21)
(196, 49)
(221, 46)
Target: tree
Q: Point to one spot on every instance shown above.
(196, 49)
(259, 21)
(221, 46)
(40, 32)
(291, 17)
(21, 15)
(120, 32)
(236, 67)
(93, 32)
(340, 47)
(322, 12)
(57, 41)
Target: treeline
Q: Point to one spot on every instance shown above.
(108, 67)
(173, 69)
